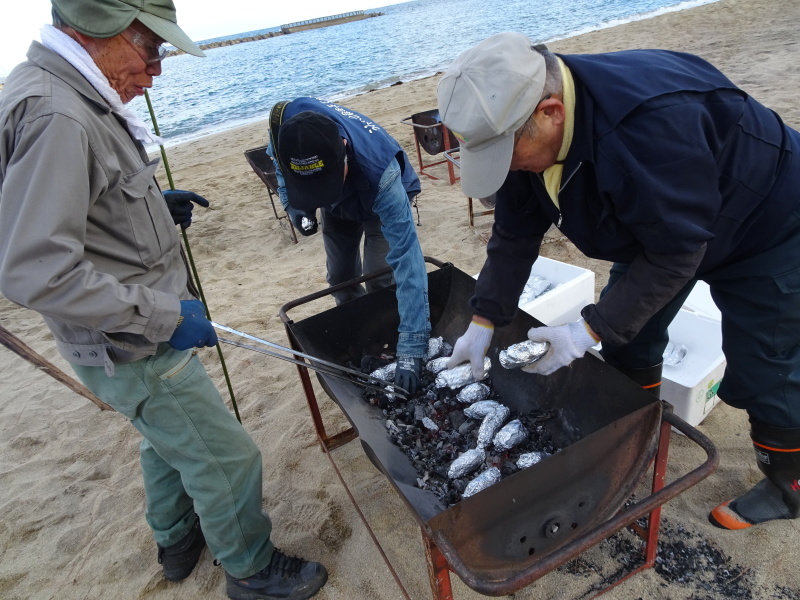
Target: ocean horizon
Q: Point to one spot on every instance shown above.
(237, 84)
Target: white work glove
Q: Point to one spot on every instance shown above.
(472, 347)
(567, 342)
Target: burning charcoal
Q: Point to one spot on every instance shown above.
(457, 419)
(419, 412)
(512, 434)
(430, 424)
(437, 365)
(465, 428)
(385, 373)
(529, 459)
(491, 423)
(466, 463)
(461, 375)
(474, 392)
(523, 354)
(435, 347)
(481, 408)
(481, 482)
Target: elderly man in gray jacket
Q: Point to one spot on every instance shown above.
(88, 241)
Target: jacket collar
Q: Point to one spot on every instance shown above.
(58, 67)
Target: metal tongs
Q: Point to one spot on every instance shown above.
(321, 366)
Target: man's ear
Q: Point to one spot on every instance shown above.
(554, 109)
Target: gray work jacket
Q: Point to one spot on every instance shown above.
(85, 235)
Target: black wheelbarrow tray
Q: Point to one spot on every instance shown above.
(610, 430)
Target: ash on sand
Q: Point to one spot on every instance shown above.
(691, 567)
(431, 451)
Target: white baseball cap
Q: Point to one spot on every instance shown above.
(485, 95)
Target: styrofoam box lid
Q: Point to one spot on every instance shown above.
(702, 336)
(700, 301)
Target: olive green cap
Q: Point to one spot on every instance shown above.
(107, 18)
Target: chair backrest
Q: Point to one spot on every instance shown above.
(429, 131)
(262, 164)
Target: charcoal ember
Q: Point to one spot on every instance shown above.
(491, 424)
(437, 365)
(457, 419)
(529, 459)
(429, 424)
(461, 375)
(465, 428)
(523, 354)
(510, 435)
(480, 409)
(474, 392)
(488, 478)
(466, 463)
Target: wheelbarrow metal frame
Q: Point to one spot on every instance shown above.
(441, 557)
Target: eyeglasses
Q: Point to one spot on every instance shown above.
(155, 52)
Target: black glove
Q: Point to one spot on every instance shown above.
(304, 222)
(194, 330)
(408, 373)
(179, 203)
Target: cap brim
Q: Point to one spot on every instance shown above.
(169, 32)
(484, 171)
(318, 193)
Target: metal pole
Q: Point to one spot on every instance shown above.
(195, 276)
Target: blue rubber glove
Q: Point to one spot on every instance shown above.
(472, 347)
(567, 342)
(304, 222)
(179, 203)
(408, 373)
(193, 330)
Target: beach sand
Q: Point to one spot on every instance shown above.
(70, 484)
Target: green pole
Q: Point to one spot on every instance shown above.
(191, 259)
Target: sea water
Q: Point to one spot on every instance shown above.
(238, 84)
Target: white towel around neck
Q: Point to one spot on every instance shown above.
(71, 51)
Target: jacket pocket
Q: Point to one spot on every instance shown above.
(146, 213)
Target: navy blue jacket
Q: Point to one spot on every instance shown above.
(672, 169)
(369, 151)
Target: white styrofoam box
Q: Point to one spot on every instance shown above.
(691, 386)
(572, 288)
(700, 301)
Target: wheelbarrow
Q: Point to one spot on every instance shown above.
(503, 538)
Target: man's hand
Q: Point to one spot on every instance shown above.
(472, 347)
(408, 373)
(193, 330)
(567, 342)
(179, 203)
(304, 222)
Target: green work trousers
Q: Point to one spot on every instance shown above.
(196, 457)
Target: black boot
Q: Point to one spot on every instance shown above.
(648, 377)
(285, 578)
(178, 561)
(778, 495)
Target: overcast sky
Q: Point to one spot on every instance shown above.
(201, 19)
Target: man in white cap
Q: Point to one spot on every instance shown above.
(88, 241)
(655, 161)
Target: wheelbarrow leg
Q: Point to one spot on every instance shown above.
(438, 571)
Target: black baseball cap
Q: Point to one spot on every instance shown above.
(312, 157)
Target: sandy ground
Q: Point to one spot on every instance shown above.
(70, 484)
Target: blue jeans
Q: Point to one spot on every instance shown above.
(759, 298)
(390, 240)
(196, 457)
